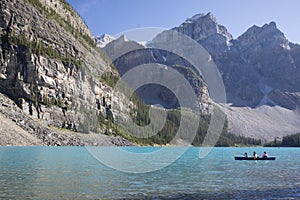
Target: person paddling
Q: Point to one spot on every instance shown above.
(254, 155)
(265, 155)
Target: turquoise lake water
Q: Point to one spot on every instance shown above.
(73, 173)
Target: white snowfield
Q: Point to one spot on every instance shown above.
(103, 40)
(264, 122)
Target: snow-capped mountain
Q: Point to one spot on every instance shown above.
(103, 40)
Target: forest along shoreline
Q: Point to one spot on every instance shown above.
(19, 129)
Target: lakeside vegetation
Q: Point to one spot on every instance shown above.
(287, 141)
(140, 116)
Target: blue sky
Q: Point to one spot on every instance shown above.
(115, 16)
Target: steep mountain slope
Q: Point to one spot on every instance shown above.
(259, 67)
(18, 128)
(273, 57)
(127, 55)
(50, 65)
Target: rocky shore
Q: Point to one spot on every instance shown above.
(19, 129)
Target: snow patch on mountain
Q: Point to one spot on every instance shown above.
(103, 40)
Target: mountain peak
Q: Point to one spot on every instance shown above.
(267, 33)
(123, 38)
(201, 16)
(271, 25)
(205, 29)
(103, 40)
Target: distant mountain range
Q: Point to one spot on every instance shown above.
(259, 68)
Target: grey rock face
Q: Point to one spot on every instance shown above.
(273, 57)
(127, 55)
(121, 46)
(205, 30)
(259, 67)
(49, 64)
(65, 11)
(28, 131)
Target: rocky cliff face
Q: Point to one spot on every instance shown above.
(205, 30)
(259, 67)
(49, 64)
(273, 57)
(67, 13)
(127, 55)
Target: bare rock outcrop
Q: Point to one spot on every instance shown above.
(127, 54)
(18, 128)
(50, 65)
(261, 67)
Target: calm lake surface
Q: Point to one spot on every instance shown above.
(73, 173)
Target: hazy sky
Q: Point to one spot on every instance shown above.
(115, 16)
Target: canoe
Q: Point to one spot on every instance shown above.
(251, 158)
